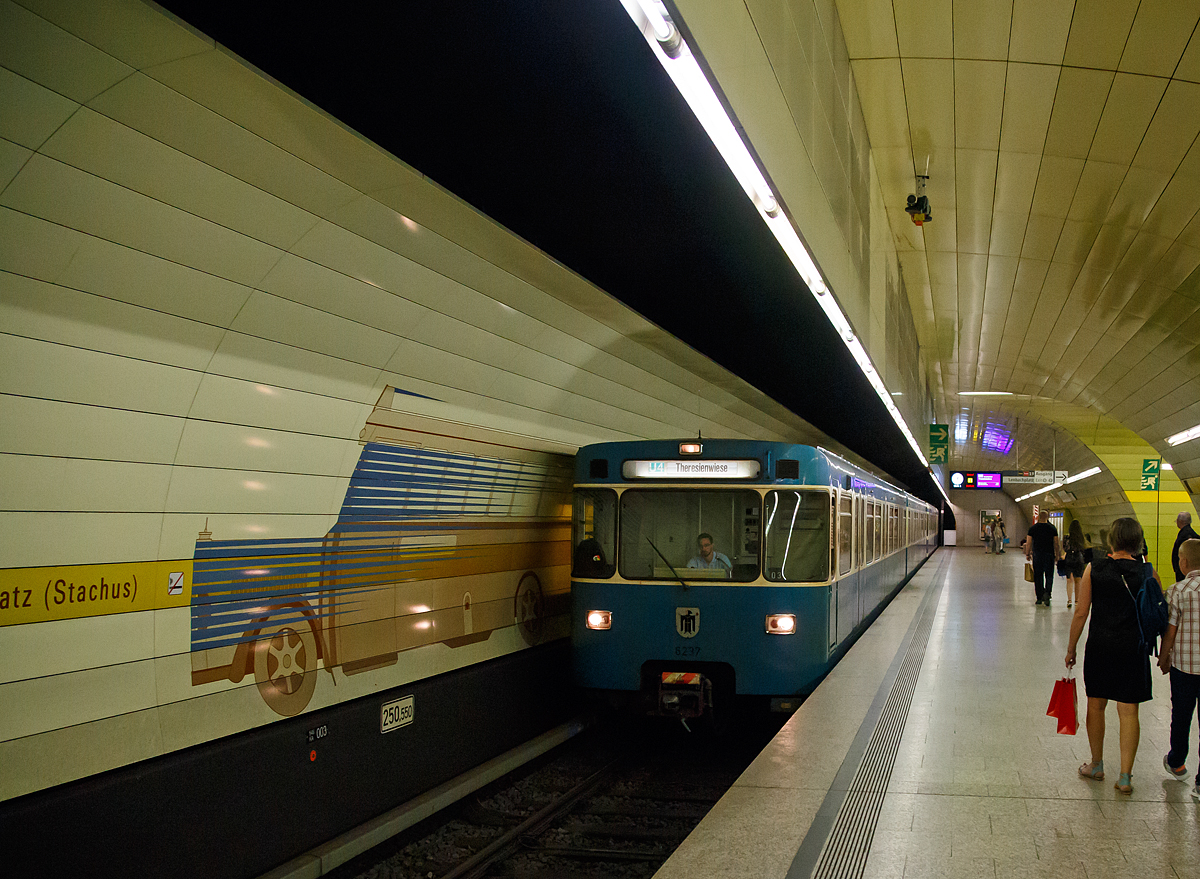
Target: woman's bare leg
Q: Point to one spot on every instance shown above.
(1131, 732)
(1095, 727)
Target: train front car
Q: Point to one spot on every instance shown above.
(708, 569)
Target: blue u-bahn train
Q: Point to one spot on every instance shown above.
(712, 568)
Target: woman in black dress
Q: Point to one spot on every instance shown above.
(1073, 563)
(1114, 665)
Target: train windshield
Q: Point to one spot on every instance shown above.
(797, 536)
(594, 532)
(701, 534)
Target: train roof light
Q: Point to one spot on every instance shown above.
(691, 448)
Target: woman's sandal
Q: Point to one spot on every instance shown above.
(1094, 771)
(1125, 783)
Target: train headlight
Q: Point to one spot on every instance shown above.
(599, 619)
(781, 624)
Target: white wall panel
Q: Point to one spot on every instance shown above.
(122, 273)
(66, 195)
(44, 311)
(65, 538)
(37, 49)
(60, 372)
(147, 105)
(270, 317)
(45, 484)
(62, 646)
(443, 369)
(238, 401)
(179, 530)
(69, 699)
(275, 365)
(12, 157)
(213, 490)
(110, 150)
(240, 447)
(33, 426)
(33, 247)
(356, 298)
(30, 113)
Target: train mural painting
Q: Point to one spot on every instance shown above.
(447, 536)
(431, 545)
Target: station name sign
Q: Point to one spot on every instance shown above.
(696, 469)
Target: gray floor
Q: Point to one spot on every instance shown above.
(982, 785)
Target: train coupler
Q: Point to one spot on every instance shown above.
(683, 694)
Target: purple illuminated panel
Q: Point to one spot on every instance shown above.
(988, 480)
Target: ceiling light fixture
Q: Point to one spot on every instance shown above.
(677, 59)
(1190, 434)
(1084, 475)
(1078, 476)
(985, 393)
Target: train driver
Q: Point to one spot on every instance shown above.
(708, 557)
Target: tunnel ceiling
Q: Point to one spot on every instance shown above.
(1061, 266)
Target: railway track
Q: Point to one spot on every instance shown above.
(616, 801)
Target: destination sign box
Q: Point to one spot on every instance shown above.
(690, 469)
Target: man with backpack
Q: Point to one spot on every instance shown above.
(1042, 550)
(1180, 657)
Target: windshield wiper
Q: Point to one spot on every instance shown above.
(668, 564)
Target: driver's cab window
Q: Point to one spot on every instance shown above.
(690, 534)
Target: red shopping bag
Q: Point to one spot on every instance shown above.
(1064, 706)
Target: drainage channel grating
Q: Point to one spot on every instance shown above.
(845, 853)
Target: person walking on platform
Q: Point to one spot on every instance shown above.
(1073, 559)
(1115, 665)
(988, 531)
(999, 535)
(1043, 549)
(1184, 523)
(1180, 657)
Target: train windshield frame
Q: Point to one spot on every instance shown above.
(661, 530)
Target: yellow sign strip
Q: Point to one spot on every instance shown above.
(63, 592)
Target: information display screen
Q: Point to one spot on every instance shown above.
(969, 479)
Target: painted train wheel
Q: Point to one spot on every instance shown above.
(285, 666)
(529, 608)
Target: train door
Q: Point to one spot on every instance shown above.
(860, 531)
(847, 584)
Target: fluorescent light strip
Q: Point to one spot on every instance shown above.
(1084, 475)
(1190, 434)
(1078, 476)
(652, 20)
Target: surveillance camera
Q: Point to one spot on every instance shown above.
(918, 209)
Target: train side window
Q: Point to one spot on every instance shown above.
(845, 532)
(797, 536)
(594, 533)
(860, 518)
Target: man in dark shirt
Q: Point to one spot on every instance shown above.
(1184, 523)
(1043, 549)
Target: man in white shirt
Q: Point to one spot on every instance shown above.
(708, 557)
(1180, 656)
